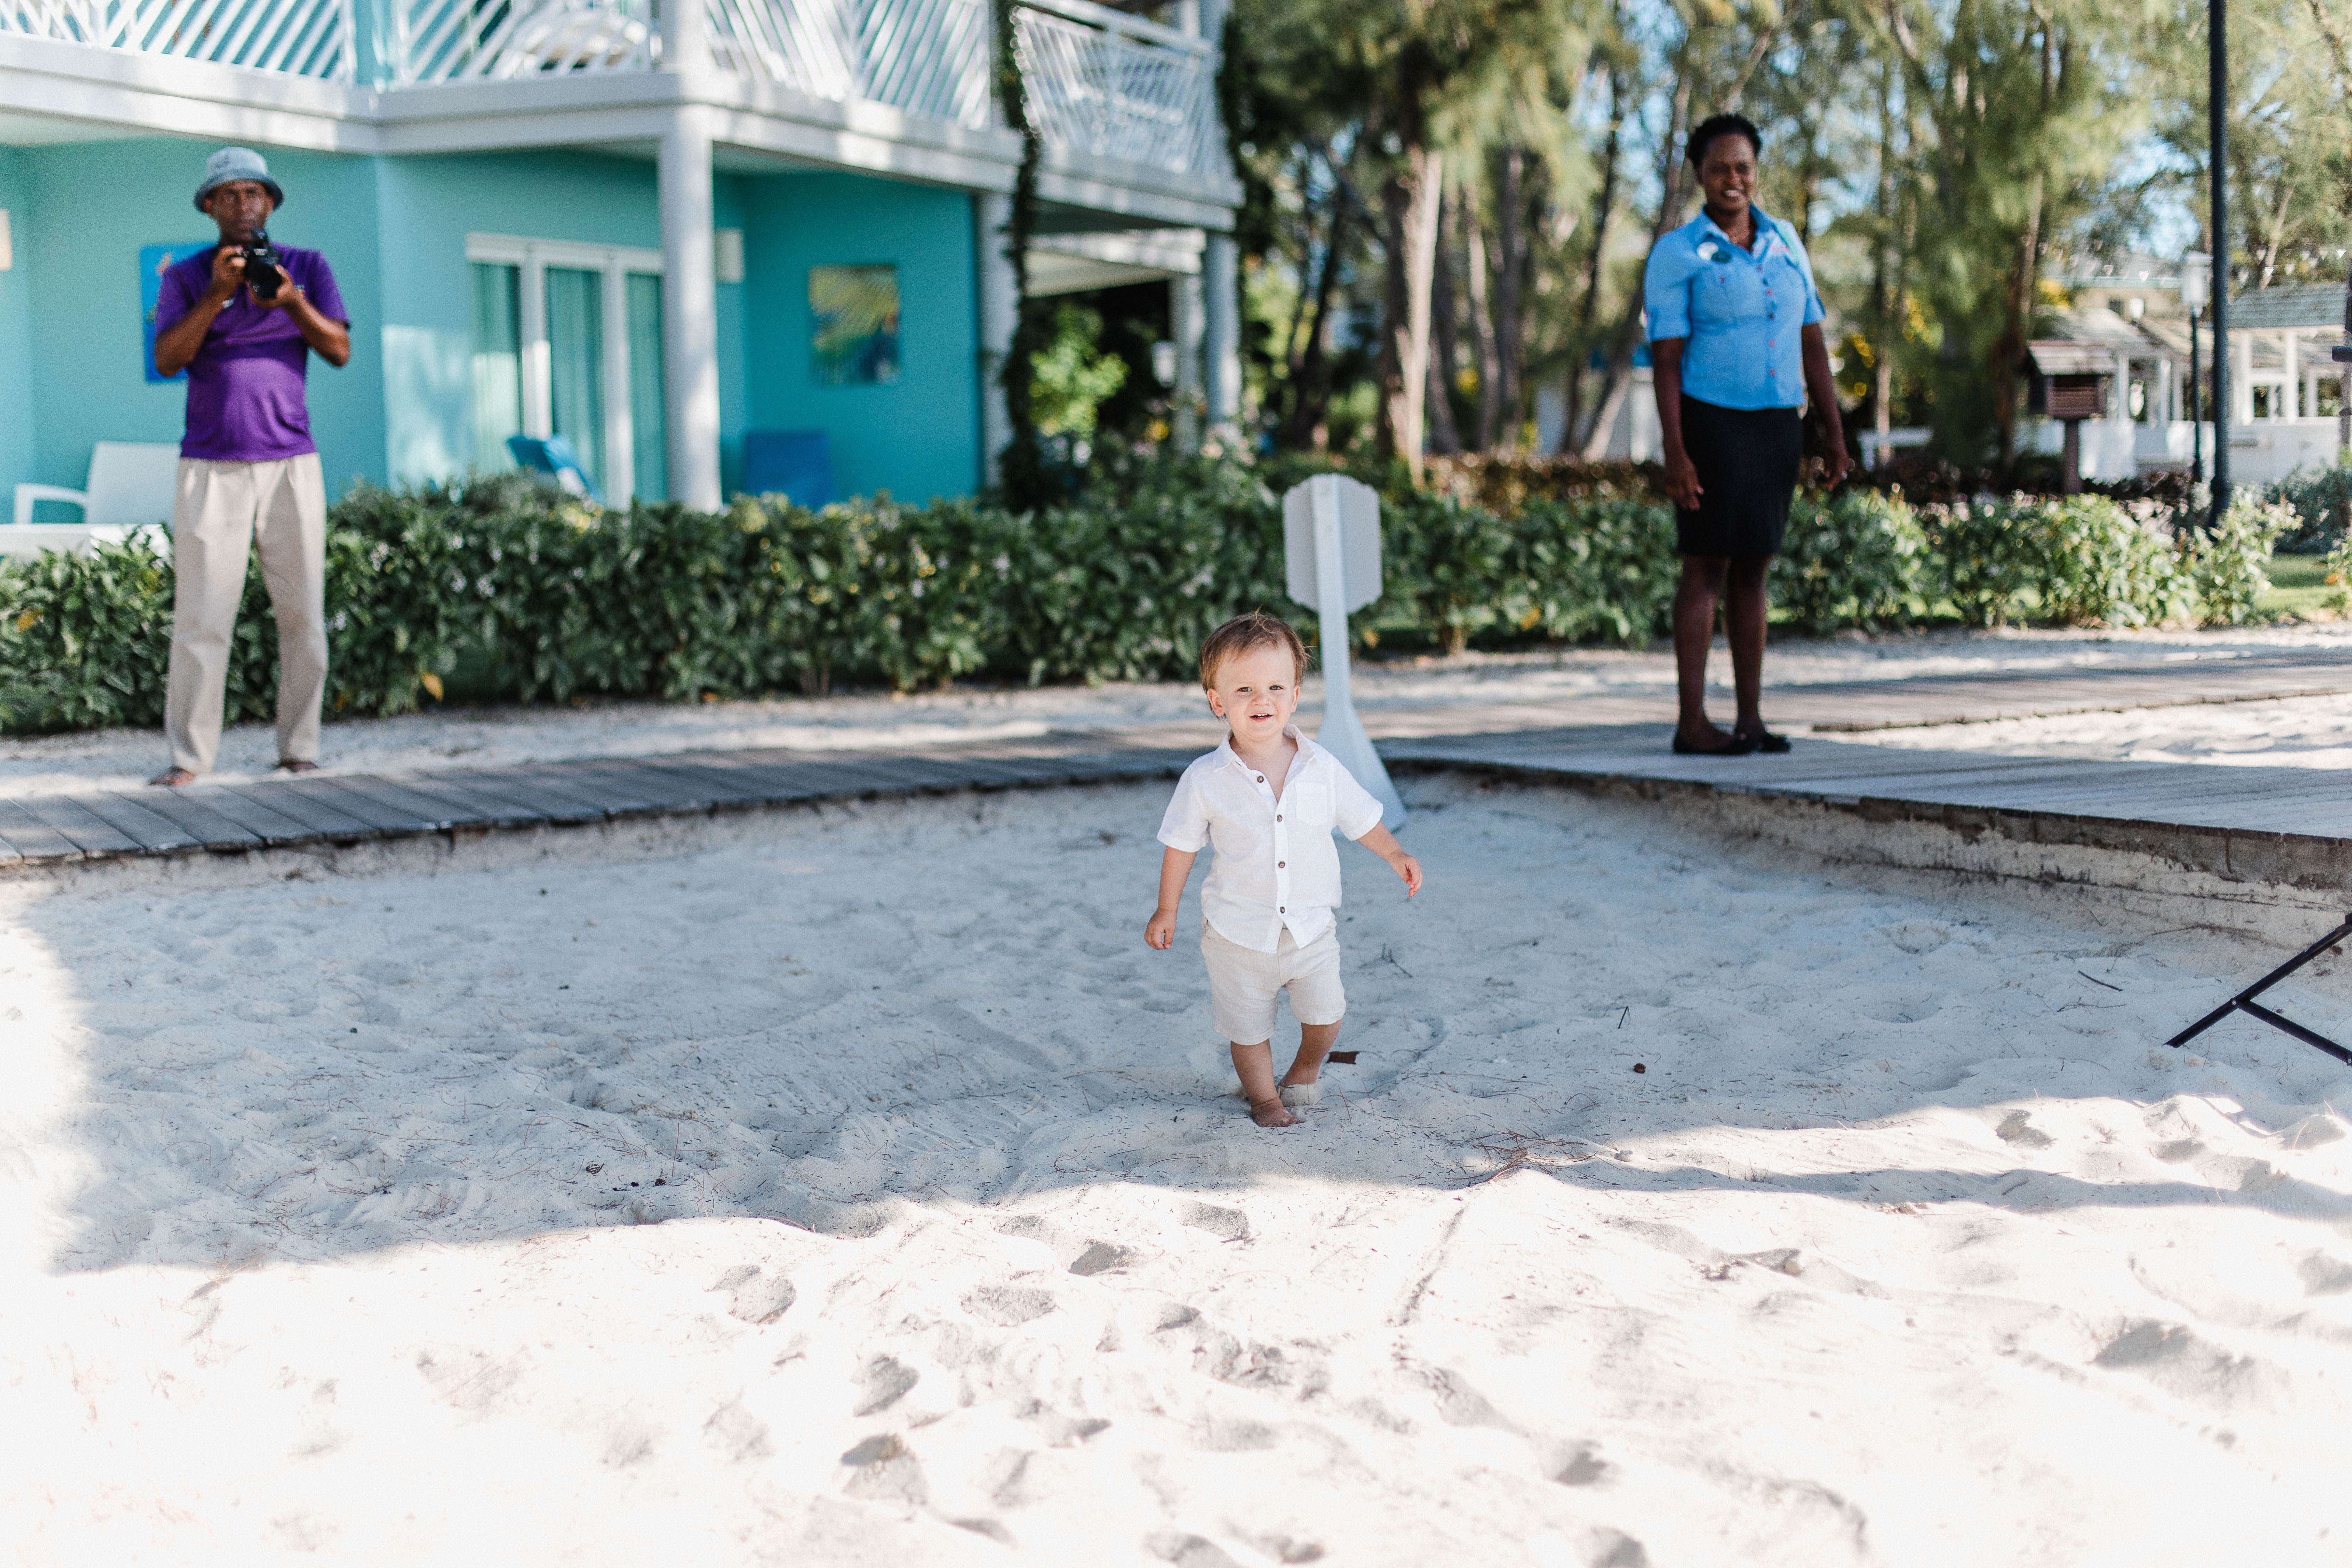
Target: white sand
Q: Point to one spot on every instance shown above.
(325, 1216)
(461, 737)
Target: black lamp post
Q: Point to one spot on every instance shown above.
(2217, 53)
(2196, 291)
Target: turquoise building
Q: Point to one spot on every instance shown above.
(650, 228)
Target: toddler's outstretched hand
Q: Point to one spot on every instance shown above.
(1382, 843)
(1405, 866)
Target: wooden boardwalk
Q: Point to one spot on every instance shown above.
(1619, 739)
(1848, 706)
(2312, 803)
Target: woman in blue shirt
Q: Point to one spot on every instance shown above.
(1736, 344)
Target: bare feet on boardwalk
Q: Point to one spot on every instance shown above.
(1270, 1113)
(172, 778)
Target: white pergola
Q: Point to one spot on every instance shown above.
(2279, 340)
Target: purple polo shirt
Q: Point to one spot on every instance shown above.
(244, 385)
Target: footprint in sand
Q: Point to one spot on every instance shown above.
(1008, 1306)
(755, 1297)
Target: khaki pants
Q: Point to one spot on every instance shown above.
(221, 513)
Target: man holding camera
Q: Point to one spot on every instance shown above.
(243, 319)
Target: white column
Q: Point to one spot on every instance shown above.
(1000, 311)
(620, 436)
(2293, 391)
(1221, 276)
(689, 271)
(2242, 381)
(1221, 332)
(1186, 327)
(2119, 409)
(689, 310)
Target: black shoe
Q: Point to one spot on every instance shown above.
(1738, 746)
(1765, 740)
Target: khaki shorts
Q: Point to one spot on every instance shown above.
(1243, 983)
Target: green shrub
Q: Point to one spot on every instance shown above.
(2321, 498)
(1984, 561)
(2077, 561)
(536, 595)
(1852, 558)
(2228, 567)
(1128, 583)
(85, 641)
(2338, 566)
(2098, 566)
(1449, 567)
(1601, 568)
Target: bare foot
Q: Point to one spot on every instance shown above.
(1270, 1113)
(297, 765)
(172, 778)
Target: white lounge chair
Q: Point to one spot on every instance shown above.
(130, 488)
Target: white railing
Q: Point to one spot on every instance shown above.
(1100, 82)
(925, 58)
(1115, 85)
(460, 40)
(303, 38)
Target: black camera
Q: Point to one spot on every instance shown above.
(265, 269)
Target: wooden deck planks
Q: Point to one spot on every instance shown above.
(32, 839)
(2267, 801)
(155, 832)
(89, 833)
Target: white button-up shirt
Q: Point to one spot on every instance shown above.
(1276, 865)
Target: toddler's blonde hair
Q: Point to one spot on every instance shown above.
(1247, 634)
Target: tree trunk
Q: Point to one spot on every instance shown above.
(1409, 203)
(2017, 322)
(1312, 385)
(1671, 165)
(1445, 337)
(1481, 326)
(1508, 337)
(1604, 207)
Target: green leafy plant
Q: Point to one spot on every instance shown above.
(2338, 565)
(2098, 566)
(1852, 558)
(2227, 565)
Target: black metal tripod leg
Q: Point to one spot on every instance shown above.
(2245, 1000)
(2308, 1037)
(2205, 1023)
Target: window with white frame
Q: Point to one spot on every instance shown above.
(567, 341)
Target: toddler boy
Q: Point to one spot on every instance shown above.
(1269, 799)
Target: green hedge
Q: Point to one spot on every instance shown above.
(532, 595)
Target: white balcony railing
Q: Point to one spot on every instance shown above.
(925, 58)
(301, 37)
(1101, 83)
(1115, 85)
(466, 40)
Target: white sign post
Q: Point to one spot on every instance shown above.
(1331, 546)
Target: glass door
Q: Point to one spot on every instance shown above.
(575, 354)
(497, 363)
(646, 437)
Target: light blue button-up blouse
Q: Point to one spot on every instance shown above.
(1741, 310)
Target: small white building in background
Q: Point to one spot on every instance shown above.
(2285, 390)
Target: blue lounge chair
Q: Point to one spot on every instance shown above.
(795, 463)
(554, 458)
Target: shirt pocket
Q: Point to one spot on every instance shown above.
(1308, 806)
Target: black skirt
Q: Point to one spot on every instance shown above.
(1746, 460)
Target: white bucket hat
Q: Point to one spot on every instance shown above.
(231, 164)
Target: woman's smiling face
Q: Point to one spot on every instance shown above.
(1727, 172)
(1256, 691)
